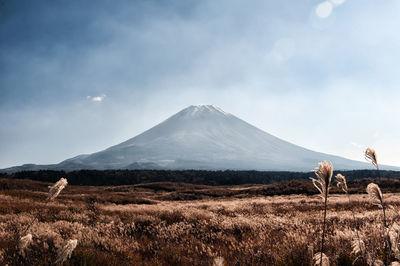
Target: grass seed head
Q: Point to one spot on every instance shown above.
(324, 173)
(358, 246)
(370, 156)
(341, 182)
(375, 194)
(393, 234)
(66, 251)
(317, 259)
(219, 261)
(23, 243)
(56, 188)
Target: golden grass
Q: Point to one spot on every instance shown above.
(150, 230)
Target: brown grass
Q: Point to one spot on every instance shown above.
(180, 224)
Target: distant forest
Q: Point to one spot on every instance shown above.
(228, 177)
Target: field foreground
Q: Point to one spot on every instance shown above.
(181, 224)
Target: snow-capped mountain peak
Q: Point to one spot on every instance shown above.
(201, 110)
(205, 137)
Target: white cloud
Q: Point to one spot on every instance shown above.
(357, 145)
(283, 50)
(96, 98)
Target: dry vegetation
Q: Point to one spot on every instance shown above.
(182, 224)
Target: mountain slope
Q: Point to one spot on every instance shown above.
(205, 137)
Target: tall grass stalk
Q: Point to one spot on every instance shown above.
(370, 156)
(376, 198)
(324, 173)
(342, 184)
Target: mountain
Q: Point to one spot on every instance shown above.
(203, 137)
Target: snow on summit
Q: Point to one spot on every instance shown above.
(198, 110)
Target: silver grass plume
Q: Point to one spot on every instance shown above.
(393, 237)
(318, 261)
(375, 194)
(23, 243)
(56, 188)
(324, 173)
(358, 246)
(341, 182)
(376, 197)
(393, 234)
(66, 251)
(370, 156)
(219, 261)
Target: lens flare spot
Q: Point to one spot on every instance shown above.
(324, 9)
(337, 2)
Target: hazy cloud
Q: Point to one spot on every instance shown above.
(276, 64)
(96, 98)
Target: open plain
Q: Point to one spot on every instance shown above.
(185, 224)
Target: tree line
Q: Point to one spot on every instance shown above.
(214, 178)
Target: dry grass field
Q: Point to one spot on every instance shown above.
(183, 224)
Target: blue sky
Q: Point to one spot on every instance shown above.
(79, 76)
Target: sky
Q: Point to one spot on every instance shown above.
(79, 76)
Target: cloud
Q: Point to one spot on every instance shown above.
(99, 98)
(357, 145)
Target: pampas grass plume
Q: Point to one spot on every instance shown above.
(66, 251)
(219, 261)
(324, 173)
(370, 156)
(56, 188)
(341, 182)
(24, 243)
(358, 246)
(375, 194)
(317, 259)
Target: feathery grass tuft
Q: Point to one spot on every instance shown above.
(66, 251)
(358, 246)
(376, 198)
(370, 156)
(324, 173)
(219, 261)
(23, 243)
(320, 262)
(375, 195)
(341, 182)
(56, 188)
(394, 242)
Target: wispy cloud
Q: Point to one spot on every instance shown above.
(357, 145)
(268, 69)
(99, 98)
